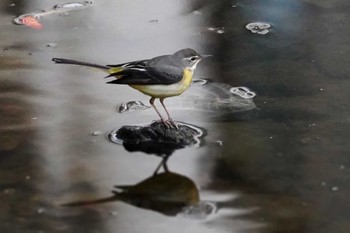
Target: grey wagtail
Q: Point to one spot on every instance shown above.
(159, 77)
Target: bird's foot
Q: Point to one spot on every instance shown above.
(167, 124)
(172, 123)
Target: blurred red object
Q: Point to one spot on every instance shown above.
(32, 22)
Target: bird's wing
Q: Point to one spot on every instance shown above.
(130, 64)
(142, 74)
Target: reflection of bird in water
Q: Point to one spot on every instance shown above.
(164, 192)
(159, 77)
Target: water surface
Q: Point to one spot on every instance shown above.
(280, 167)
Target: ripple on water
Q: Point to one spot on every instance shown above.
(205, 96)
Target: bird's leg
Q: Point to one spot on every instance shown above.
(163, 164)
(169, 117)
(151, 101)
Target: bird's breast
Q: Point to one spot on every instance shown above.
(163, 91)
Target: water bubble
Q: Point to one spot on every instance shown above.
(199, 211)
(68, 5)
(113, 213)
(243, 92)
(72, 5)
(199, 82)
(218, 30)
(96, 133)
(51, 45)
(219, 142)
(258, 28)
(131, 105)
(335, 189)
(9, 191)
(41, 210)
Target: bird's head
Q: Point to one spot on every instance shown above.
(188, 58)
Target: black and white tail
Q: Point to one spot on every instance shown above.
(79, 63)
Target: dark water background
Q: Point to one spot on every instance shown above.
(283, 167)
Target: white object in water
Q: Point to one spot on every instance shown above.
(243, 92)
(258, 28)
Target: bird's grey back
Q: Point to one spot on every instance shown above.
(166, 64)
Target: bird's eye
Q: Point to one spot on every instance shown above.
(193, 58)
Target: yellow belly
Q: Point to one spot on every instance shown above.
(163, 91)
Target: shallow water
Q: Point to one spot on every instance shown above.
(280, 167)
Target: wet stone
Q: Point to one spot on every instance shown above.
(158, 132)
(157, 138)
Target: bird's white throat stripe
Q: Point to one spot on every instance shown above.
(138, 69)
(194, 66)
